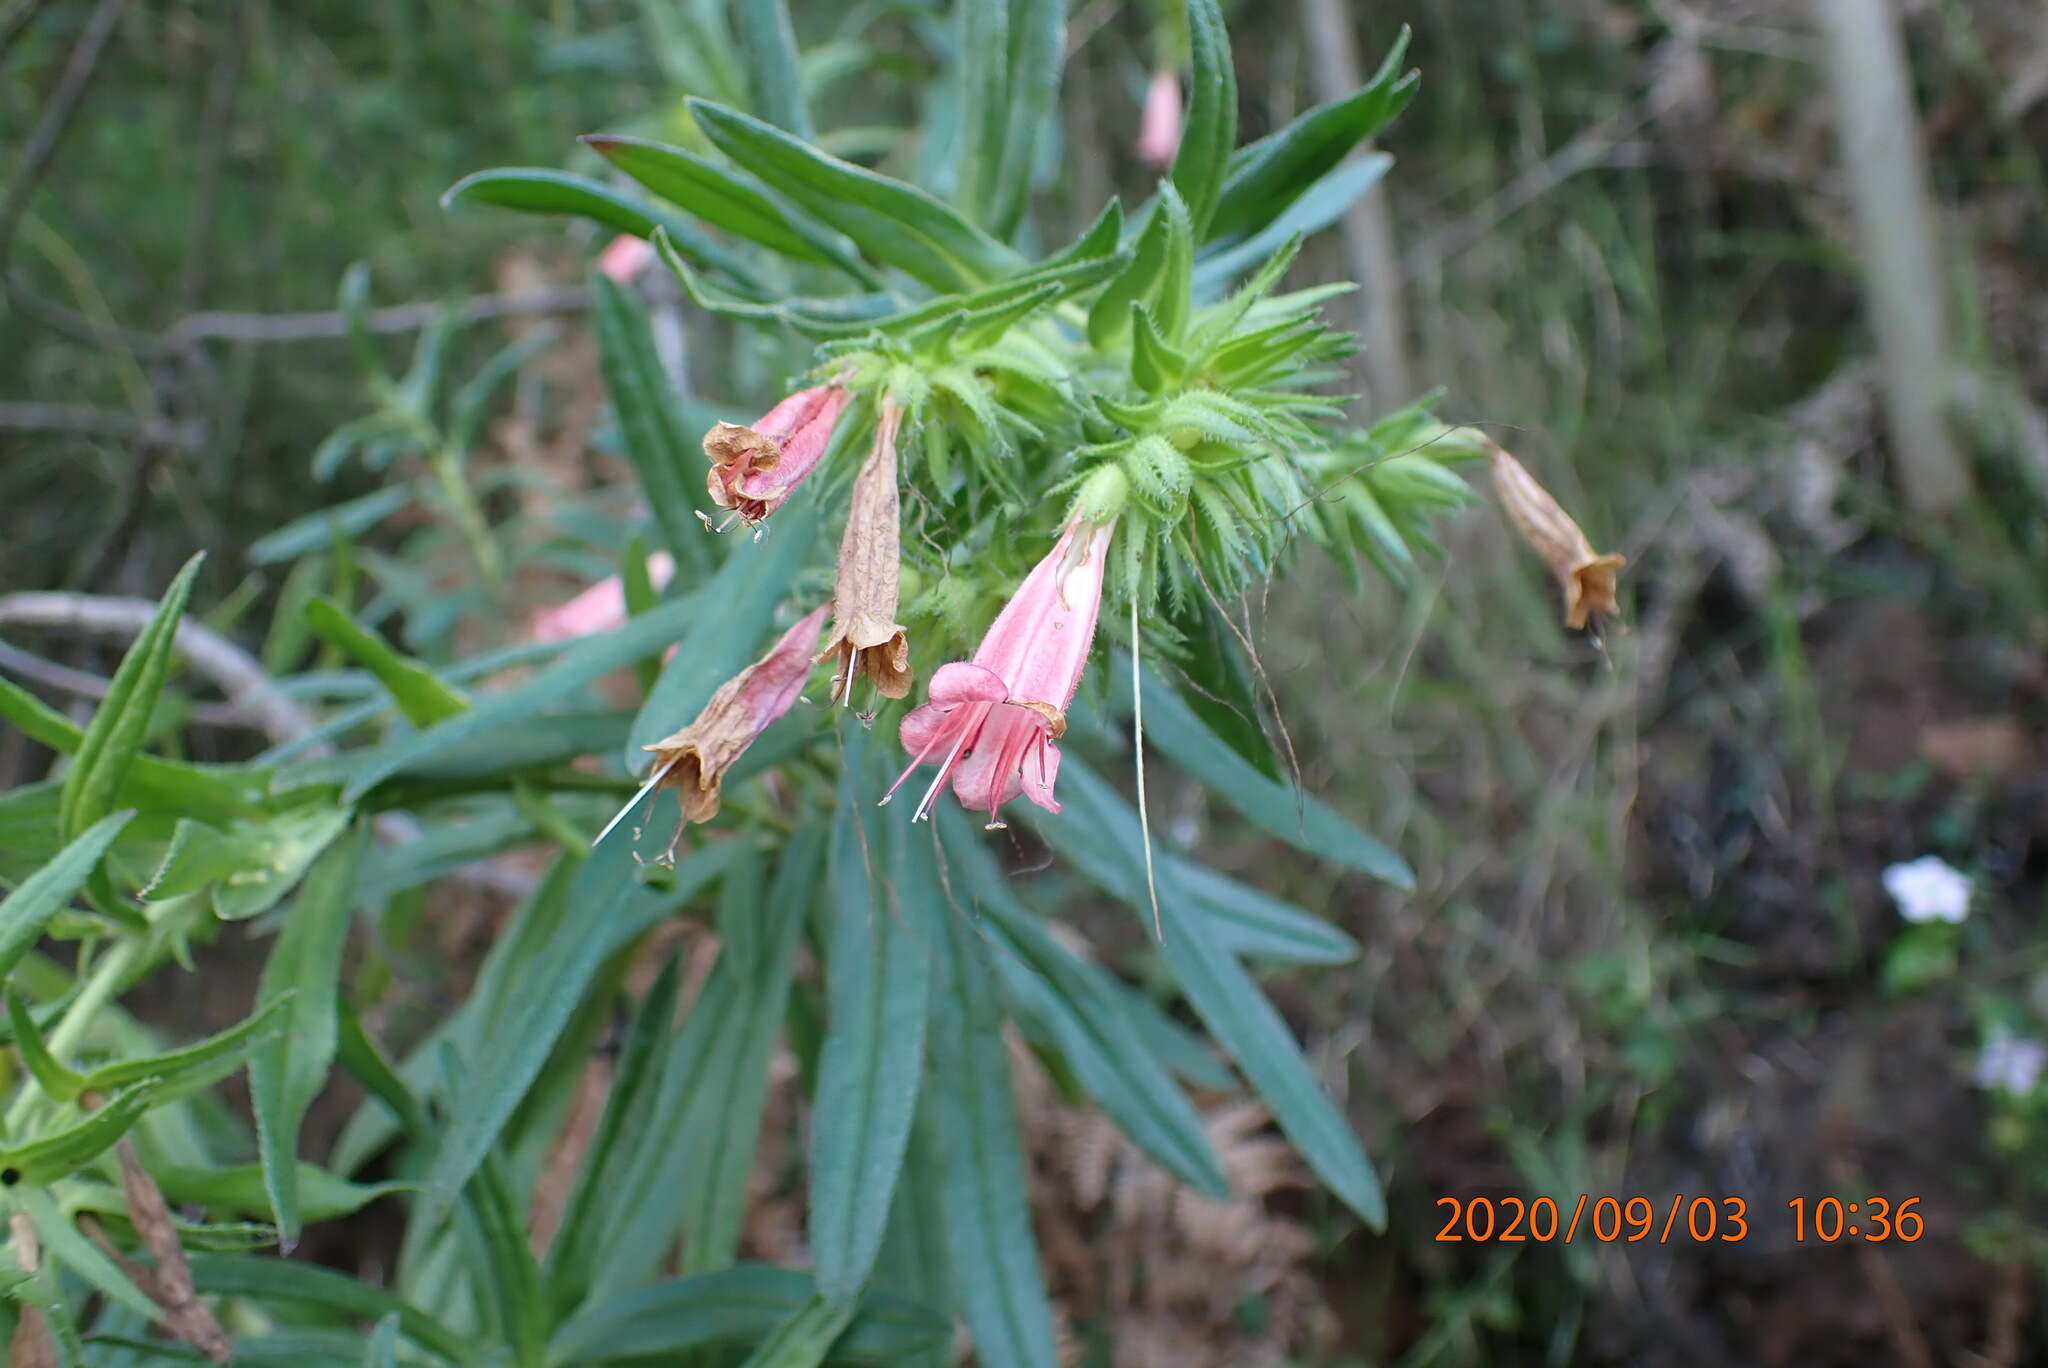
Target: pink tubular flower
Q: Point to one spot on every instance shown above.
(600, 608)
(1159, 125)
(992, 721)
(753, 469)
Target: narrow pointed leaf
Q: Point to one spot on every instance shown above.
(803, 1340)
(878, 981)
(42, 895)
(289, 1071)
(767, 44)
(1210, 132)
(735, 1307)
(276, 1280)
(537, 190)
(421, 694)
(1071, 1002)
(121, 722)
(893, 222)
(1096, 826)
(1302, 821)
(663, 451)
(988, 1216)
(1270, 174)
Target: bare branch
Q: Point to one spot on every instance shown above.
(225, 664)
(313, 327)
(98, 422)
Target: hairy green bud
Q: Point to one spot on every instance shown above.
(1160, 476)
(1103, 494)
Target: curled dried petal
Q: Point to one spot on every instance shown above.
(755, 469)
(866, 637)
(694, 760)
(1587, 577)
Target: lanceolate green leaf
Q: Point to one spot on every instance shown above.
(725, 1129)
(537, 190)
(720, 197)
(878, 980)
(421, 694)
(607, 909)
(1270, 174)
(983, 71)
(803, 1340)
(1096, 827)
(310, 1285)
(517, 708)
(1203, 161)
(238, 1190)
(1296, 818)
(1071, 1002)
(1037, 55)
(121, 722)
(658, 442)
(44, 1160)
(288, 1072)
(738, 1306)
(572, 1256)
(767, 45)
(212, 792)
(987, 1215)
(1110, 315)
(894, 223)
(170, 1068)
(1319, 207)
(41, 896)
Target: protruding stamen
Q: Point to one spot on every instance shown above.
(660, 773)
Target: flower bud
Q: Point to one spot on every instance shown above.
(1102, 495)
(1160, 476)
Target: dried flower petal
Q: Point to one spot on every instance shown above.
(866, 637)
(754, 469)
(1586, 576)
(694, 760)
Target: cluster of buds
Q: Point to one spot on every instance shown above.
(991, 723)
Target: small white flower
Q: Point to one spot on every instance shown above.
(1929, 889)
(2009, 1063)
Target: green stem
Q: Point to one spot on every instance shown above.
(469, 517)
(109, 976)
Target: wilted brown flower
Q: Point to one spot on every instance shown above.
(754, 469)
(694, 760)
(865, 634)
(1586, 576)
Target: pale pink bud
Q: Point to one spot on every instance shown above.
(1159, 126)
(625, 257)
(600, 608)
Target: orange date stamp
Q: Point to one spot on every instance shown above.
(1698, 1220)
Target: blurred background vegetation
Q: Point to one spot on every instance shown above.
(1649, 951)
